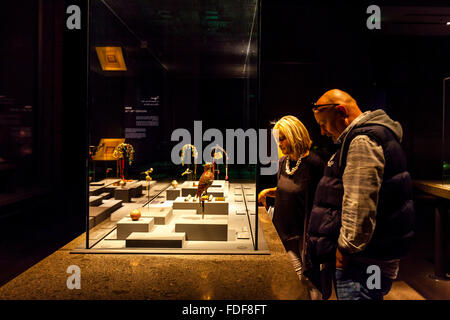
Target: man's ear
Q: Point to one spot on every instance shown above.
(342, 111)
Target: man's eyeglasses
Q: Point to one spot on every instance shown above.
(318, 107)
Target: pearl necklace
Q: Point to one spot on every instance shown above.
(291, 172)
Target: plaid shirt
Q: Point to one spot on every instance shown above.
(362, 180)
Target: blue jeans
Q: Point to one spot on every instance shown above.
(351, 284)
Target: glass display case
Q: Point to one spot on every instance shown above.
(446, 132)
(173, 94)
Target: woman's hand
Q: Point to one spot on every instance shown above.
(266, 193)
(262, 197)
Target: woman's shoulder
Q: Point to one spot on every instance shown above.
(282, 159)
(315, 160)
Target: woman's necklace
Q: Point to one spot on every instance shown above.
(291, 172)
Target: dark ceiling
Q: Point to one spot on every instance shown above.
(416, 20)
(210, 38)
(192, 37)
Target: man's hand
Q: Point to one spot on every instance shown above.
(341, 260)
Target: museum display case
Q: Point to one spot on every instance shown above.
(446, 132)
(173, 93)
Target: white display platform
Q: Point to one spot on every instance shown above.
(210, 228)
(211, 207)
(216, 184)
(155, 240)
(219, 188)
(173, 193)
(161, 215)
(126, 226)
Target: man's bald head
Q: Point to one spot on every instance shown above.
(333, 120)
(342, 98)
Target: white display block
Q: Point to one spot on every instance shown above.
(172, 194)
(210, 228)
(161, 215)
(95, 201)
(211, 207)
(155, 240)
(215, 184)
(217, 189)
(216, 192)
(126, 226)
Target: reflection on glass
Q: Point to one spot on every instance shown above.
(168, 81)
(446, 132)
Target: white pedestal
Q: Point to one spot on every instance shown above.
(211, 207)
(172, 194)
(126, 226)
(155, 240)
(217, 189)
(161, 215)
(211, 228)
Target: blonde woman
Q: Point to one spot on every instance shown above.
(299, 172)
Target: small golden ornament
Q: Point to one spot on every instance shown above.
(174, 183)
(122, 183)
(135, 214)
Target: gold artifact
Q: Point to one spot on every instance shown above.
(194, 154)
(188, 197)
(219, 155)
(220, 198)
(147, 174)
(135, 214)
(174, 183)
(122, 183)
(124, 149)
(188, 171)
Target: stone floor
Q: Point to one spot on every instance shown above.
(39, 230)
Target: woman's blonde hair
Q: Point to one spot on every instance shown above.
(296, 134)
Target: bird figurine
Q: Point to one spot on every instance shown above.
(206, 180)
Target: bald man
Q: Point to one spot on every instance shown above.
(362, 219)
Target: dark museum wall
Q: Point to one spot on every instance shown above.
(309, 47)
(41, 75)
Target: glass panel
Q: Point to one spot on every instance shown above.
(173, 86)
(446, 132)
